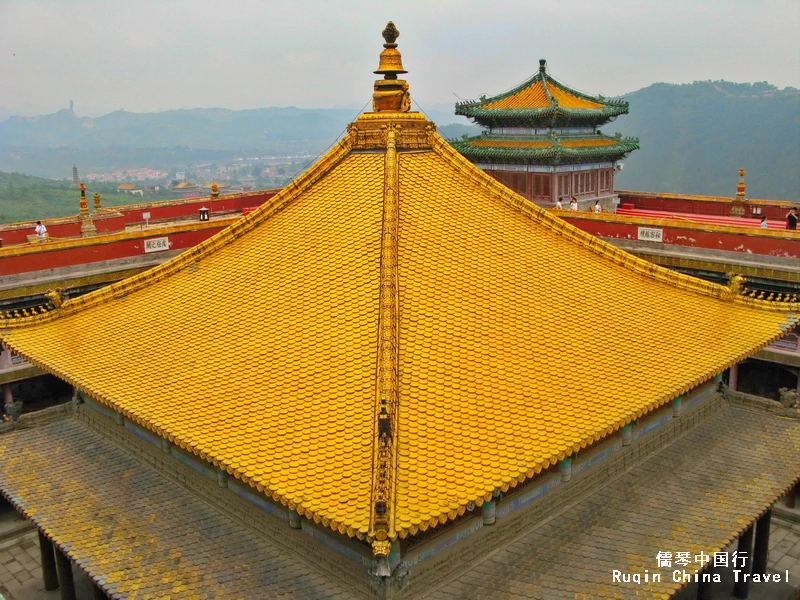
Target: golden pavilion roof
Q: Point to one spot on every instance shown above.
(394, 336)
(542, 101)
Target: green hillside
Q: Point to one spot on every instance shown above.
(695, 137)
(27, 198)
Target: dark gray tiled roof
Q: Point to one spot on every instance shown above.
(139, 534)
(697, 494)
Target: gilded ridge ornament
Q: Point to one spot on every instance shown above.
(56, 297)
(381, 528)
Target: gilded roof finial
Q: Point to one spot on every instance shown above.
(87, 227)
(390, 34)
(97, 201)
(84, 204)
(740, 190)
(391, 93)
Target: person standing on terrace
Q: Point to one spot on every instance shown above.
(41, 230)
(791, 219)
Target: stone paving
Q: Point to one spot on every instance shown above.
(21, 574)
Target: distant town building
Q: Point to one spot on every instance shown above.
(180, 175)
(186, 189)
(130, 188)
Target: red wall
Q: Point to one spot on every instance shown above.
(20, 235)
(696, 238)
(776, 210)
(37, 261)
(124, 215)
(159, 212)
(109, 224)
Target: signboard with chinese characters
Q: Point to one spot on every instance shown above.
(649, 234)
(156, 244)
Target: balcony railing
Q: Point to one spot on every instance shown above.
(789, 343)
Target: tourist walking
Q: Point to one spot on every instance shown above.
(573, 204)
(764, 223)
(559, 206)
(597, 208)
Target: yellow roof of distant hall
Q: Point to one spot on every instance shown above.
(394, 335)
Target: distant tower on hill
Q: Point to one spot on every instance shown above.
(75, 180)
(71, 106)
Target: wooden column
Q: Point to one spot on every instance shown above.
(733, 378)
(65, 580)
(761, 549)
(790, 495)
(47, 552)
(741, 589)
(703, 587)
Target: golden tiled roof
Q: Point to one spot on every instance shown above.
(535, 96)
(587, 143)
(512, 143)
(568, 100)
(394, 336)
(532, 96)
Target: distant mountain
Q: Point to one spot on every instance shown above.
(48, 145)
(213, 129)
(695, 137)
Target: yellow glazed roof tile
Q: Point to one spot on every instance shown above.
(228, 356)
(394, 335)
(533, 96)
(585, 143)
(512, 143)
(567, 100)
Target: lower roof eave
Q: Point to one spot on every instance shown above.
(696, 495)
(95, 500)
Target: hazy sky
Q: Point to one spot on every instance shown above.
(144, 55)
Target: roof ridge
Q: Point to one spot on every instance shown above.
(384, 465)
(597, 245)
(583, 95)
(122, 288)
(553, 101)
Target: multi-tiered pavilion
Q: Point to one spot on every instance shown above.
(367, 388)
(542, 141)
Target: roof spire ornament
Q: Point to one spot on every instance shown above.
(391, 93)
(84, 204)
(87, 227)
(740, 189)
